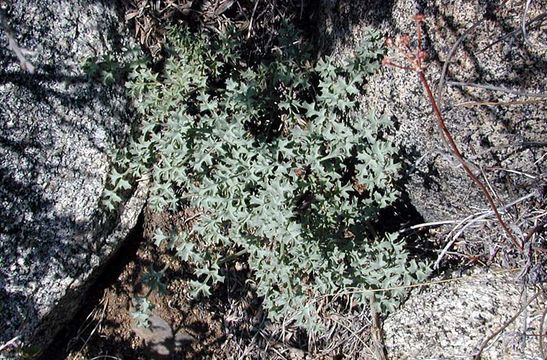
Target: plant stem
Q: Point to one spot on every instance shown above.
(454, 148)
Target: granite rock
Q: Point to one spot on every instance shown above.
(452, 319)
(57, 127)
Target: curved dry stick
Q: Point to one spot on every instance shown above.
(441, 83)
(532, 24)
(498, 88)
(504, 326)
(416, 59)
(456, 152)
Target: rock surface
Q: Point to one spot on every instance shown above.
(452, 320)
(162, 341)
(56, 130)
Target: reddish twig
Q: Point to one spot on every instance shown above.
(416, 59)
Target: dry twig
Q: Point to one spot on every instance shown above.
(497, 88)
(441, 83)
(416, 59)
(251, 21)
(504, 326)
(500, 103)
(377, 331)
(532, 24)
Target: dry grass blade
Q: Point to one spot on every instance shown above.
(354, 290)
(251, 20)
(469, 221)
(497, 88)
(485, 342)
(499, 103)
(429, 224)
(11, 344)
(530, 176)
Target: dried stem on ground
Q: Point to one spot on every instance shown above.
(376, 331)
(477, 355)
(416, 60)
(497, 88)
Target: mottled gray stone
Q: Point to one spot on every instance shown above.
(162, 341)
(56, 130)
(451, 320)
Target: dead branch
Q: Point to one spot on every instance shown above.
(504, 326)
(416, 59)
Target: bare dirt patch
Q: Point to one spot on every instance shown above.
(180, 327)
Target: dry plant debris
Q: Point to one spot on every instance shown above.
(523, 220)
(149, 19)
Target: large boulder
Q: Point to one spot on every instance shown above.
(56, 130)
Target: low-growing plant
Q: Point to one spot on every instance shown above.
(142, 307)
(281, 165)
